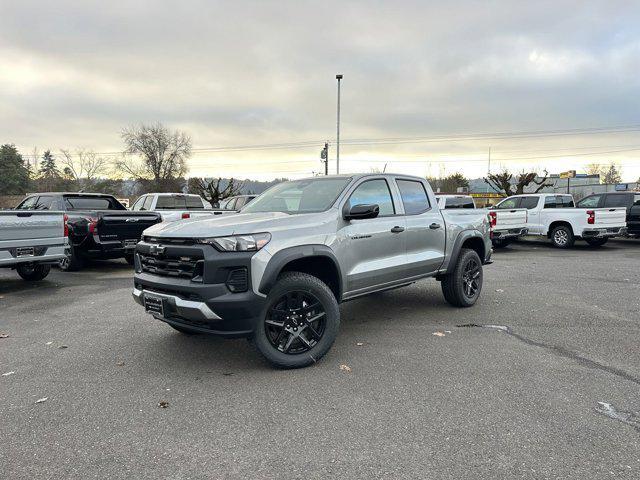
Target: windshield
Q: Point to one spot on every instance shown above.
(299, 196)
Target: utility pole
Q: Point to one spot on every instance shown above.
(324, 155)
(338, 77)
(489, 164)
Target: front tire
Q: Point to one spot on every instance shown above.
(462, 287)
(562, 237)
(300, 322)
(33, 273)
(596, 242)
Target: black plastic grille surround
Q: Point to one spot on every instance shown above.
(238, 280)
(168, 266)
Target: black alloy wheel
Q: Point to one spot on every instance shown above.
(295, 323)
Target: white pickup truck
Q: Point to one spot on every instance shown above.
(176, 206)
(555, 216)
(32, 241)
(506, 225)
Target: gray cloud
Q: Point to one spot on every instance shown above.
(74, 73)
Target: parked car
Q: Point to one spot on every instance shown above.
(175, 206)
(628, 200)
(506, 225)
(277, 271)
(31, 241)
(99, 226)
(555, 217)
(237, 202)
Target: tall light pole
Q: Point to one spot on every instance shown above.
(338, 77)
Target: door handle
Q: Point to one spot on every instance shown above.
(434, 226)
(397, 230)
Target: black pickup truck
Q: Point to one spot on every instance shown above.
(100, 227)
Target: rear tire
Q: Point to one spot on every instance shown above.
(562, 237)
(72, 262)
(33, 273)
(596, 242)
(462, 287)
(300, 322)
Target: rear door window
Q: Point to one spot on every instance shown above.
(551, 202)
(528, 202)
(414, 197)
(565, 201)
(616, 200)
(231, 204)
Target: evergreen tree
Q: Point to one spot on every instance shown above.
(14, 173)
(48, 173)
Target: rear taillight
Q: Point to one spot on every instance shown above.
(66, 225)
(93, 226)
(591, 219)
(186, 215)
(493, 219)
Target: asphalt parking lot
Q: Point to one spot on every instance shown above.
(552, 390)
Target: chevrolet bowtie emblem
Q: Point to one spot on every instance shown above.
(157, 249)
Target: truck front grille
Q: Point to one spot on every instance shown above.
(180, 266)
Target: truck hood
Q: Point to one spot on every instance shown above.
(224, 225)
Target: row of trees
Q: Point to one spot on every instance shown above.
(154, 159)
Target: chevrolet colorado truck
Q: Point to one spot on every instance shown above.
(506, 225)
(176, 206)
(31, 241)
(99, 226)
(555, 217)
(276, 272)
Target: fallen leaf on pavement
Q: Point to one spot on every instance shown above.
(345, 368)
(4, 335)
(499, 290)
(42, 400)
(63, 346)
(48, 343)
(227, 374)
(447, 331)
(359, 344)
(163, 404)
(7, 374)
(120, 364)
(438, 334)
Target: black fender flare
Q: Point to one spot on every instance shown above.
(457, 246)
(283, 257)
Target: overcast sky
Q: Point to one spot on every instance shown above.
(72, 74)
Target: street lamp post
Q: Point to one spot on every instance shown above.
(338, 77)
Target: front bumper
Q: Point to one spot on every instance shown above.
(604, 232)
(205, 302)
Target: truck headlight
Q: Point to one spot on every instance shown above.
(238, 243)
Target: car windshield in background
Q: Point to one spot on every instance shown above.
(299, 196)
(92, 203)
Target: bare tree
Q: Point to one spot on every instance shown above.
(163, 153)
(212, 190)
(84, 166)
(503, 182)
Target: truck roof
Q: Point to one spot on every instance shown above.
(358, 176)
(72, 193)
(169, 194)
(540, 195)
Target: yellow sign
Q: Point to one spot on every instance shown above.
(568, 174)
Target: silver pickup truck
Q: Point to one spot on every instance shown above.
(31, 241)
(276, 272)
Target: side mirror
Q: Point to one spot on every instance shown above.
(361, 211)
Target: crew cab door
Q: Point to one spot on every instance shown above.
(374, 250)
(425, 231)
